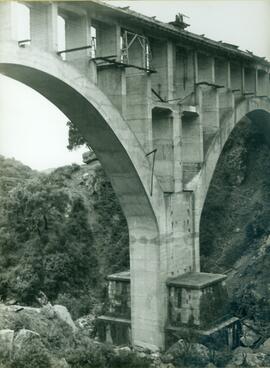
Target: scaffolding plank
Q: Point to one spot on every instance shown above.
(74, 49)
(120, 64)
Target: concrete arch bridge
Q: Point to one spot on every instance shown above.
(157, 104)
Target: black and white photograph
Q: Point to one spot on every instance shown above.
(135, 184)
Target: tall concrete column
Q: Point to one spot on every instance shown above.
(157, 254)
(207, 97)
(226, 113)
(148, 284)
(185, 75)
(177, 150)
(7, 24)
(139, 109)
(181, 255)
(192, 143)
(162, 127)
(108, 40)
(226, 97)
(206, 68)
(43, 26)
(78, 34)
(236, 77)
(250, 80)
(223, 73)
(262, 82)
(112, 81)
(209, 108)
(163, 61)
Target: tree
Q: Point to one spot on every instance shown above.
(111, 234)
(46, 242)
(75, 139)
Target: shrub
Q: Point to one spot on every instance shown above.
(32, 356)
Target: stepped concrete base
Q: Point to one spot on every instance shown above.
(116, 331)
(197, 311)
(225, 334)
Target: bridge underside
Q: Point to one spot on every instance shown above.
(157, 104)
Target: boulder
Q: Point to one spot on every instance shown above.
(190, 352)
(177, 349)
(63, 314)
(167, 358)
(24, 338)
(122, 349)
(87, 322)
(239, 355)
(199, 354)
(255, 360)
(250, 337)
(265, 347)
(6, 343)
(59, 363)
(89, 157)
(245, 357)
(48, 311)
(142, 355)
(155, 358)
(155, 355)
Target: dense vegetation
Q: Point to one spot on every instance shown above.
(46, 237)
(235, 224)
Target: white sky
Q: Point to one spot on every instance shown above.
(33, 131)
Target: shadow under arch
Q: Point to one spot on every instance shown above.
(123, 160)
(253, 130)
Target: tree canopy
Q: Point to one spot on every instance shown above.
(46, 241)
(75, 139)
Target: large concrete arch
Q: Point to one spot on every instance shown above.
(256, 110)
(123, 160)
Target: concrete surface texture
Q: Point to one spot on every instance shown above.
(157, 104)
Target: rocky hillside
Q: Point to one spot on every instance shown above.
(235, 224)
(61, 233)
(47, 337)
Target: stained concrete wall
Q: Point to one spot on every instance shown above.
(108, 39)
(77, 29)
(8, 27)
(205, 68)
(209, 107)
(250, 80)
(112, 81)
(43, 26)
(163, 61)
(162, 127)
(236, 76)
(138, 106)
(184, 80)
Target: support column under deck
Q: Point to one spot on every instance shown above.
(7, 29)
(43, 26)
